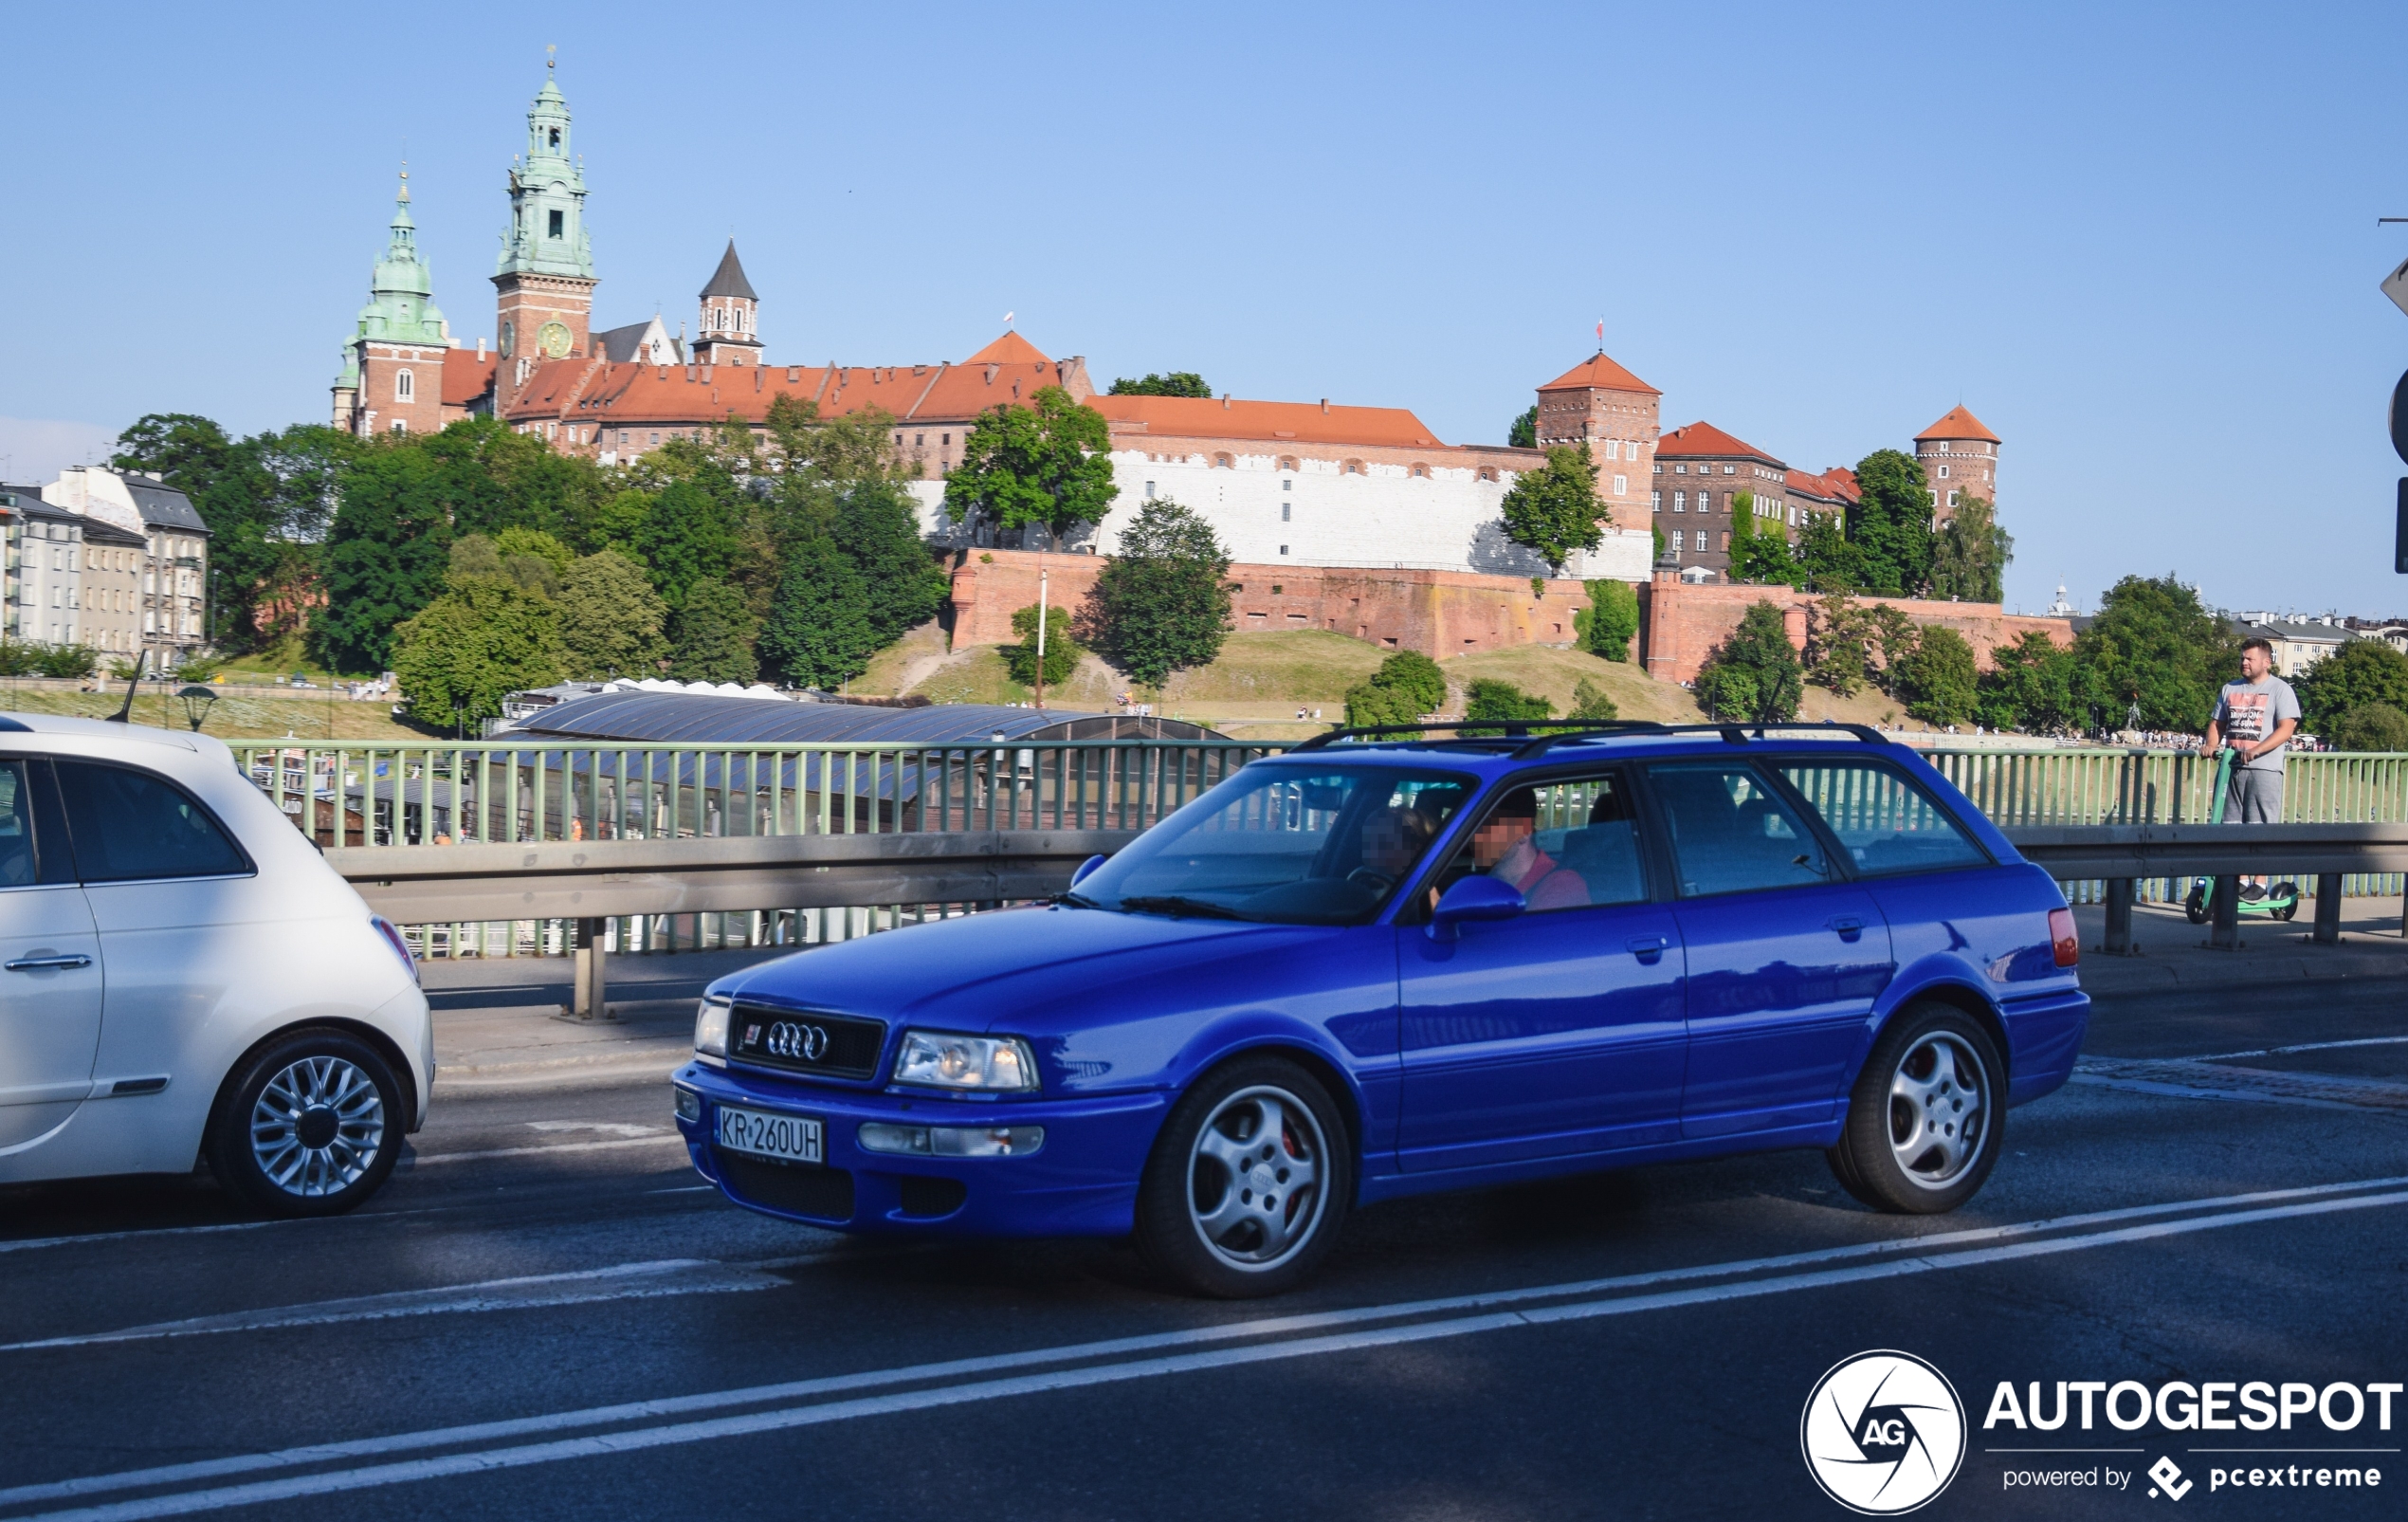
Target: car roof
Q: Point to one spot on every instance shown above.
(60, 724)
(1491, 755)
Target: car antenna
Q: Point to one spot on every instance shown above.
(125, 715)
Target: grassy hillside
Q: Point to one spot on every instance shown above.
(240, 712)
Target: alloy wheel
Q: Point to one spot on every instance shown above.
(1255, 1177)
(1939, 1109)
(317, 1127)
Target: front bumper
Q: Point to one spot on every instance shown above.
(1081, 1183)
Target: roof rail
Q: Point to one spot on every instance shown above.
(1490, 728)
(1734, 733)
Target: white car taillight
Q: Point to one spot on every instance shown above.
(393, 938)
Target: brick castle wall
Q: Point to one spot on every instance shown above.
(1680, 623)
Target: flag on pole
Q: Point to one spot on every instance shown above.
(1600, 333)
(1007, 319)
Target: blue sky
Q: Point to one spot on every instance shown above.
(2139, 241)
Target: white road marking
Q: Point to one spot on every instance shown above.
(2304, 1046)
(608, 1127)
(623, 1281)
(2176, 1091)
(1913, 1255)
(428, 1159)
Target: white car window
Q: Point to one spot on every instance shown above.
(129, 826)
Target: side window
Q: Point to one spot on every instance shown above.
(16, 826)
(1568, 843)
(130, 825)
(1887, 823)
(1731, 832)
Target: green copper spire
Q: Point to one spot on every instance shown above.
(401, 307)
(547, 197)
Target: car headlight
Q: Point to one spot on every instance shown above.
(710, 1028)
(943, 1060)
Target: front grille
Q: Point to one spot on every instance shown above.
(824, 1194)
(932, 1197)
(833, 1046)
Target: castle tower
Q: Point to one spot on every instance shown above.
(1958, 455)
(391, 379)
(545, 278)
(730, 335)
(1617, 414)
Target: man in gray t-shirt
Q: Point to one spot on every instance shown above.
(2256, 717)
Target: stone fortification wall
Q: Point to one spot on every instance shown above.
(1436, 613)
(1681, 622)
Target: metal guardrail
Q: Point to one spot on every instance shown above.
(2137, 850)
(611, 879)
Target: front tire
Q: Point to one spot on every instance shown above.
(1249, 1183)
(310, 1125)
(1927, 1115)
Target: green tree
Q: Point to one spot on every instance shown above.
(1970, 553)
(1826, 561)
(483, 639)
(1489, 697)
(2372, 726)
(1840, 638)
(612, 621)
(1161, 604)
(879, 532)
(1605, 627)
(2156, 647)
(1407, 686)
(818, 633)
(1524, 434)
(1555, 510)
(1048, 462)
(2035, 686)
(691, 535)
(1937, 679)
(1371, 704)
(524, 558)
(2363, 671)
(1891, 524)
(1589, 701)
(385, 558)
(1759, 551)
(1177, 383)
(1753, 674)
(1061, 648)
(185, 449)
(711, 636)
(1897, 638)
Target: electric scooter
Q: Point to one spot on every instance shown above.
(2281, 901)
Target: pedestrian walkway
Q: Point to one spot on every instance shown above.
(2173, 952)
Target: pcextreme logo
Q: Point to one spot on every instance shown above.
(1883, 1433)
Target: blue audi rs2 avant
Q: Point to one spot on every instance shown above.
(1381, 964)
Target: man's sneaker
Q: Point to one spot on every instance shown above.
(2252, 893)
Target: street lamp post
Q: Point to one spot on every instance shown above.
(197, 701)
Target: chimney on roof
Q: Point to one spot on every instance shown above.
(1324, 404)
(1225, 401)
(481, 346)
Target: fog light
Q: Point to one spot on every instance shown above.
(689, 1105)
(950, 1141)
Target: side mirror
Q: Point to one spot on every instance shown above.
(1474, 899)
(1086, 869)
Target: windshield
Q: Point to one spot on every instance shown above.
(1285, 845)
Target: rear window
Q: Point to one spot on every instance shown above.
(130, 826)
(1887, 824)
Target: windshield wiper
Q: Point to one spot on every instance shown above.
(1077, 901)
(1182, 907)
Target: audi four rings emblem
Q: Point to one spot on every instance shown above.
(787, 1039)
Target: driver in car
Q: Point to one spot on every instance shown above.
(1504, 846)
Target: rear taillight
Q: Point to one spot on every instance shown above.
(2068, 941)
(401, 948)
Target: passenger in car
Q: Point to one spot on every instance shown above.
(1395, 838)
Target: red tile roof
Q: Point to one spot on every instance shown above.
(1010, 349)
(608, 395)
(1838, 484)
(1600, 374)
(1203, 417)
(1959, 424)
(466, 377)
(1704, 438)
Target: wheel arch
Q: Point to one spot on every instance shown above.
(1328, 1074)
(1967, 1001)
(358, 1030)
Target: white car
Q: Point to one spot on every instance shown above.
(184, 979)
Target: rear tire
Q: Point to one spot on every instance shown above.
(1249, 1183)
(1927, 1115)
(310, 1125)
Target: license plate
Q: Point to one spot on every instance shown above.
(787, 1138)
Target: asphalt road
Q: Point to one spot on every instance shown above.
(543, 1316)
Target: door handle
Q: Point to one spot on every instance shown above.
(1648, 949)
(1849, 927)
(74, 958)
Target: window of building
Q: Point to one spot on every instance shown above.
(1730, 469)
(1658, 468)
(556, 224)
(920, 439)
(404, 386)
(1149, 491)
(1680, 501)
(554, 140)
(1680, 470)
(1701, 540)
(1621, 485)
(1944, 473)
(1283, 549)
(1222, 462)
(945, 439)
(400, 427)
(1655, 499)
(1284, 511)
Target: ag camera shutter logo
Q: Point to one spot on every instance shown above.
(1883, 1433)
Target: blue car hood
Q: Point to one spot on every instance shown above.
(1030, 971)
